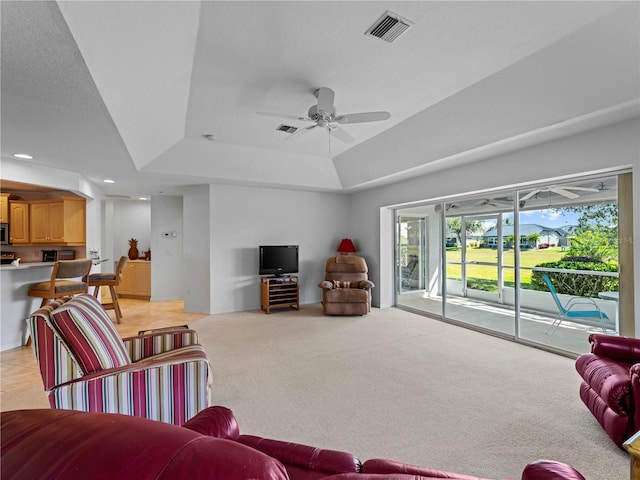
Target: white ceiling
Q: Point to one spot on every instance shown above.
(126, 90)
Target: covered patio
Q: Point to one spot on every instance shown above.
(534, 326)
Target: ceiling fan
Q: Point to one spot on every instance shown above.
(565, 191)
(495, 202)
(323, 115)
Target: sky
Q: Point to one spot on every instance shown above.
(549, 218)
(545, 217)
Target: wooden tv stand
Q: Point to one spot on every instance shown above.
(279, 292)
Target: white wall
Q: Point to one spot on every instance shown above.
(197, 247)
(131, 219)
(166, 248)
(245, 217)
(612, 147)
(122, 220)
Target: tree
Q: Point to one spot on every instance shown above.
(592, 245)
(533, 239)
(510, 240)
(454, 225)
(598, 218)
(595, 216)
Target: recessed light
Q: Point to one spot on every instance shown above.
(108, 180)
(26, 156)
(143, 198)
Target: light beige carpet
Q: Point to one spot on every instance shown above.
(397, 385)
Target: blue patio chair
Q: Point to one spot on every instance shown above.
(567, 311)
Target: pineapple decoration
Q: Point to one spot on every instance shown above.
(133, 249)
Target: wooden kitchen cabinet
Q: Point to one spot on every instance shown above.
(136, 280)
(19, 222)
(4, 208)
(61, 221)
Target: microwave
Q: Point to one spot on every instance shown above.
(4, 233)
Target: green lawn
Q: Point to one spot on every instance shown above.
(485, 276)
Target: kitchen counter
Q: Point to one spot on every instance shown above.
(23, 266)
(16, 306)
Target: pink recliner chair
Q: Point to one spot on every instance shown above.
(346, 289)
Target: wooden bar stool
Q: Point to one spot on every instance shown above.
(111, 280)
(59, 285)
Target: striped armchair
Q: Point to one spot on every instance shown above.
(86, 365)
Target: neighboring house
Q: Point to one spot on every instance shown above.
(532, 235)
(474, 238)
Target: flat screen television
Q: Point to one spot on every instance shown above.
(278, 259)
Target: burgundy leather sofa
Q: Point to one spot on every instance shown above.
(610, 385)
(71, 445)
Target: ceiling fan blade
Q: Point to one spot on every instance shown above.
(564, 193)
(494, 202)
(300, 132)
(282, 115)
(362, 117)
(582, 189)
(325, 100)
(532, 193)
(340, 134)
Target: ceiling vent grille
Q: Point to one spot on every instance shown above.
(389, 27)
(286, 128)
(118, 197)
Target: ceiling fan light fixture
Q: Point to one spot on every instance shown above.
(389, 27)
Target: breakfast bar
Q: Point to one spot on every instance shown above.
(16, 305)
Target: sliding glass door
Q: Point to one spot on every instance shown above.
(511, 267)
(418, 259)
(569, 261)
(476, 248)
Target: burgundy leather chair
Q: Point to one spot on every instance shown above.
(69, 444)
(610, 385)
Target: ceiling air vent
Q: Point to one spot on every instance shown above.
(286, 128)
(389, 27)
(117, 197)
